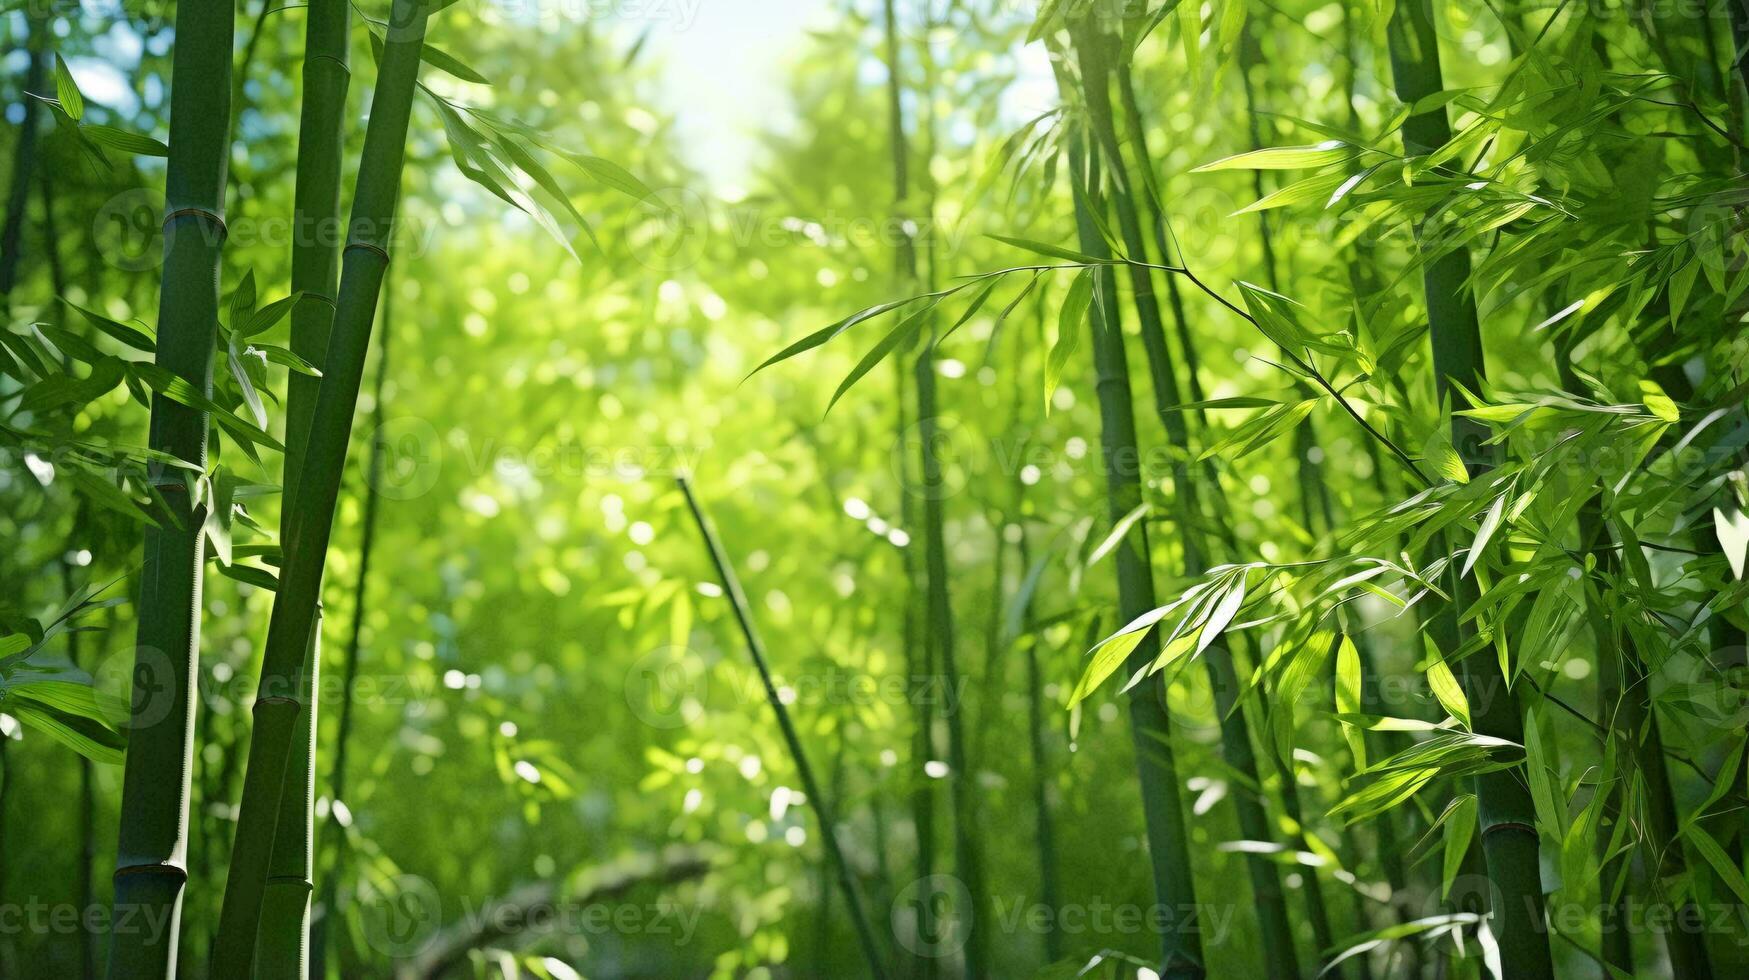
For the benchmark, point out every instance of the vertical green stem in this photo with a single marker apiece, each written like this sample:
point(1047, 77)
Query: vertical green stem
point(1150, 721)
point(283, 942)
point(1093, 48)
point(336, 834)
point(938, 611)
point(152, 850)
point(281, 692)
point(1506, 815)
point(23, 160)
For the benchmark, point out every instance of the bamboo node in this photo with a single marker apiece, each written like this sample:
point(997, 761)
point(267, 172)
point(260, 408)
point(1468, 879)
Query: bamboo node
point(210, 216)
point(345, 69)
point(371, 247)
point(278, 699)
point(323, 297)
point(155, 868)
point(298, 880)
point(1508, 825)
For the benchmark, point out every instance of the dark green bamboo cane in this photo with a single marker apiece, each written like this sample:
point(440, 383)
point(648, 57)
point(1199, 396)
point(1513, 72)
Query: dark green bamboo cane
point(23, 160)
point(151, 854)
point(1507, 817)
point(1094, 50)
point(281, 693)
point(1150, 722)
point(816, 799)
point(937, 623)
point(336, 833)
point(283, 942)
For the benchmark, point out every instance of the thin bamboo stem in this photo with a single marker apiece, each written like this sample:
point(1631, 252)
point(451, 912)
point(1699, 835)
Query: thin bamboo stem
point(816, 798)
point(937, 625)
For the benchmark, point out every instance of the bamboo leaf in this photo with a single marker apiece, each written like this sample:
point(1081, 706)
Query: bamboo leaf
point(1282, 158)
point(1048, 250)
point(1722, 865)
point(1460, 826)
point(1069, 322)
point(124, 141)
point(67, 91)
point(1485, 533)
point(1118, 533)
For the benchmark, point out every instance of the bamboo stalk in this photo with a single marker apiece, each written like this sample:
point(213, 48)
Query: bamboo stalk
point(1280, 959)
point(152, 849)
point(281, 692)
point(336, 833)
point(1150, 721)
point(23, 161)
point(816, 799)
point(283, 942)
point(937, 626)
point(1506, 815)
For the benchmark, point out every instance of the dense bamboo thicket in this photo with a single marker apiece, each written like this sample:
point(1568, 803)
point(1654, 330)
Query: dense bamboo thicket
point(892, 488)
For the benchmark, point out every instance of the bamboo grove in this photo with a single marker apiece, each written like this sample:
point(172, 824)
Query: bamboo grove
point(894, 488)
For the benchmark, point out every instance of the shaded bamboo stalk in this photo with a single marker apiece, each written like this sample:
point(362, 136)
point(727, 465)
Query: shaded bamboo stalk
point(283, 942)
point(23, 159)
point(816, 798)
point(937, 625)
point(282, 692)
point(1506, 816)
point(1094, 49)
point(336, 831)
point(1150, 721)
point(152, 849)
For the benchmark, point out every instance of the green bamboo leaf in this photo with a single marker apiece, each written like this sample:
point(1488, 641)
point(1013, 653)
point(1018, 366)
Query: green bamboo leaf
point(266, 318)
point(284, 357)
point(1282, 158)
point(1550, 805)
point(67, 91)
point(1323, 187)
point(1223, 613)
point(1490, 524)
point(1349, 698)
point(1721, 862)
point(91, 739)
point(1048, 250)
point(1444, 685)
point(449, 63)
point(900, 335)
point(971, 310)
point(124, 141)
point(1118, 532)
point(1460, 826)
point(1107, 657)
point(243, 299)
point(120, 331)
point(611, 174)
point(1069, 323)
